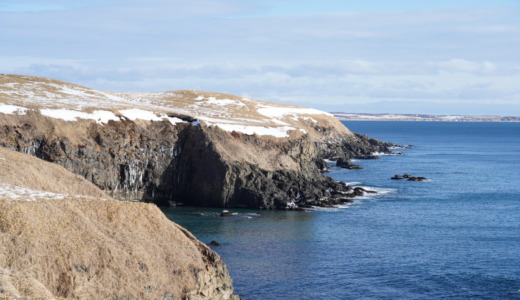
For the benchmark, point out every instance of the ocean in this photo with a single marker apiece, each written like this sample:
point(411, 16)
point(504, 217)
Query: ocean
point(456, 236)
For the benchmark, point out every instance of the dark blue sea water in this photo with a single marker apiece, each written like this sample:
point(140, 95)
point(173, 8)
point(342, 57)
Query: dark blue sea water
point(454, 237)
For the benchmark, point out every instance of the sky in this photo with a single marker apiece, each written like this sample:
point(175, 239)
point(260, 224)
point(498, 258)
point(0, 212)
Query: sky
point(372, 56)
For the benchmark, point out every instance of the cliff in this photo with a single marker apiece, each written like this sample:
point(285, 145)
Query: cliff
point(189, 147)
point(63, 238)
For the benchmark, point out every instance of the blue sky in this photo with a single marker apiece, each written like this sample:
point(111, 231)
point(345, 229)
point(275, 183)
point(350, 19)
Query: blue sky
point(440, 57)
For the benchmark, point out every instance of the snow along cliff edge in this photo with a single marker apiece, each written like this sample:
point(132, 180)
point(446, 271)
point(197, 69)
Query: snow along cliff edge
point(190, 147)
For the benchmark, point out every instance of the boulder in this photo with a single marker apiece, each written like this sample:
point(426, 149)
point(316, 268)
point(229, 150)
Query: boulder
point(214, 243)
point(408, 177)
point(347, 164)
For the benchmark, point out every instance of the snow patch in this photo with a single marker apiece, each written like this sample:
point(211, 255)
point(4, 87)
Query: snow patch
point(279, 132)
point(12, 109)
point(223, 102)
point(173, 120)
point(24, 194)
point(101, 116)
point(279, 112)
point(279, 122)
point(136, 113)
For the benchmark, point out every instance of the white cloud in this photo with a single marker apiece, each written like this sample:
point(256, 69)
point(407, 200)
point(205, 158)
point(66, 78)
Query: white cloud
point(328, 59)
point(462, 65)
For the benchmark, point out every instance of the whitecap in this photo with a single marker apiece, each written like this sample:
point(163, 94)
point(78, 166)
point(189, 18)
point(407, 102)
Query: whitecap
point(383, 153)
point(379, 191)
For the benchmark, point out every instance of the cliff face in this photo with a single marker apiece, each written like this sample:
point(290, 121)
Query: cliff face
point(63, 238)
point(183, 146)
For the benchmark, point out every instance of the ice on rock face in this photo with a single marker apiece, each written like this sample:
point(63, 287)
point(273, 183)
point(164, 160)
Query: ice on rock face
point(32, 149)
point(291, 205)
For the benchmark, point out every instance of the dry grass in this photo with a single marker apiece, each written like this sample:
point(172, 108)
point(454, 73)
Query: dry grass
point(93, 249)
point(88, 248)
point(36, 125)
point(37, 92)
point(26, 171)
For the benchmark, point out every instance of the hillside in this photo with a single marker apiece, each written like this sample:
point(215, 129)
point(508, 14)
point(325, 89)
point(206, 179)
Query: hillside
point(69, 102)
point(63, 238)
point(190, 147)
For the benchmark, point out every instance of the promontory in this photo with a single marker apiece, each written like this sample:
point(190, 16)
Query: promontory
point(182, 147)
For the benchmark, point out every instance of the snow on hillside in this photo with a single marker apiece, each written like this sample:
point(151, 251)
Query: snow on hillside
point(12, 192)
point(70, 102)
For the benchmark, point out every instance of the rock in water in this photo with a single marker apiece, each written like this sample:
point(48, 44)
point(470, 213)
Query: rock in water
point(62, 238)
point(347, 164)
point(408, 177)
point(226, 213)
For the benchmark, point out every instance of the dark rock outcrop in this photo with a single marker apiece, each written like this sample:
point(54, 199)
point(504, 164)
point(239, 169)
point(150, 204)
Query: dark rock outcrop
point(408, 177)
point(161, 163)
point(347, 164)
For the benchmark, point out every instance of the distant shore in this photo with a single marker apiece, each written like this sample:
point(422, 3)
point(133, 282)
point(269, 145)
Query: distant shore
point(421, 117)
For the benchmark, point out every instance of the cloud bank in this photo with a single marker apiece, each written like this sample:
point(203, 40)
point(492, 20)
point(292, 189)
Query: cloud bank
point(425, 61)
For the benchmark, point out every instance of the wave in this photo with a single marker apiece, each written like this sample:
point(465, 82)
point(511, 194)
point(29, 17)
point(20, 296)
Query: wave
point(379, 192)
point(333, 208)
point(358, 200)
point(383, 153)
point(353, 183)
point(229, 214)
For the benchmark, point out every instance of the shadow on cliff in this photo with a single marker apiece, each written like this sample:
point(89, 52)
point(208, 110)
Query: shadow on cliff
point(194, 176)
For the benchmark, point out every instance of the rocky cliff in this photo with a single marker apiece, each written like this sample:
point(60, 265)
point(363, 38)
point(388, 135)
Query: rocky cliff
point(188, 147)
point(63, 238)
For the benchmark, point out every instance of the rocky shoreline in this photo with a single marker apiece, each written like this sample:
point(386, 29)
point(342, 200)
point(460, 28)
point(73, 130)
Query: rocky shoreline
point(165, 164)
point(191, 160)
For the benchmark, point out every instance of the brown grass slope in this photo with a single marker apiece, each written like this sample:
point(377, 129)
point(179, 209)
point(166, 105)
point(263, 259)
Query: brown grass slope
point(84, 247)
point(40, 93)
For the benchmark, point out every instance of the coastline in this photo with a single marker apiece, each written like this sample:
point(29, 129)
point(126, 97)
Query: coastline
point(388, 244)
point(342, 116)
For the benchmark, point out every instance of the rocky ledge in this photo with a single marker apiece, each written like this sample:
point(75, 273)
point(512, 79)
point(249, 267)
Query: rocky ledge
point(63, 238)
point(189, 147)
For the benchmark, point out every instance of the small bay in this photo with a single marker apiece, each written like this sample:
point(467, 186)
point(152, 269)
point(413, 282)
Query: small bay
point(455, 236)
